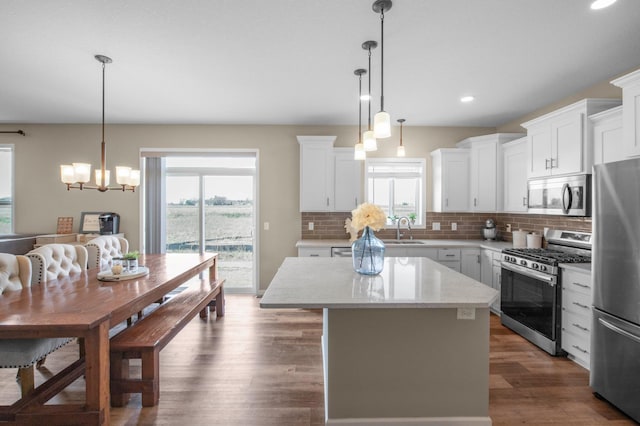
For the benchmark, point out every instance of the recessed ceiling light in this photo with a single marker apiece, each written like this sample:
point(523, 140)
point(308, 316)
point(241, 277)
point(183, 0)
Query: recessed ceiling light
point(466, 99)
point(601, 4)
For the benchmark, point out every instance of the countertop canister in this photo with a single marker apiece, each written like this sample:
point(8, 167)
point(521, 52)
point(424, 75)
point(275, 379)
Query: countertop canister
point(519, 238)
point(534, 240)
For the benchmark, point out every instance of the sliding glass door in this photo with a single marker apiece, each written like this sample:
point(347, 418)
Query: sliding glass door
point(209, 205)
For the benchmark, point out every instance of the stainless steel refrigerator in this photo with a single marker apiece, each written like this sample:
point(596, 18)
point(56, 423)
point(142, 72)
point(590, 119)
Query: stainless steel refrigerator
point(615, 339)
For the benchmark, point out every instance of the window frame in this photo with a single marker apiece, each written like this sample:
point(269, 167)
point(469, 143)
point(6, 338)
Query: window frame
point(421, 192)
point(12, 183)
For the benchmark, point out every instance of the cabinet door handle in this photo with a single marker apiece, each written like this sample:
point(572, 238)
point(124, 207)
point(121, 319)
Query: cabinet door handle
point(584, 351)
point(475, 202)
point(581, 305)
point(581, 285)
point(446, 202)
point(546, 164)
point(327, 201)
point(478, 258)
point(524, 201)
point(314, 255)
point(578, 326)
point(449, 255)
point(356, 201)
point(552, 166)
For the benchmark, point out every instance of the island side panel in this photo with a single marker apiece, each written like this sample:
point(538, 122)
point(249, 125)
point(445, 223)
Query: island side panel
point(399, 363)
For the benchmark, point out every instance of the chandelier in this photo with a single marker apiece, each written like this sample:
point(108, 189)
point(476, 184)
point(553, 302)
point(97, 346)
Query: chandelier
point(78, 175)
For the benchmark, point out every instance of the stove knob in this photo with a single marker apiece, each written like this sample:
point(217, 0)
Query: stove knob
point(534, 266)
point(523, 262)
point(543, 268)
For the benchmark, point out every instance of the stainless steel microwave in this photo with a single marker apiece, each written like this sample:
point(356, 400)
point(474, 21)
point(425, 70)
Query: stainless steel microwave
point(566, 196)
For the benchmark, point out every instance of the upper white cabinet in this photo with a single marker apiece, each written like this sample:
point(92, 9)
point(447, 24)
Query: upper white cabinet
point(514, 166)
point(485, 177)
point(630, 85)
point(606, 128)
point(450, 179)
point(347, 182)
point(559, 143)
point(330, 179)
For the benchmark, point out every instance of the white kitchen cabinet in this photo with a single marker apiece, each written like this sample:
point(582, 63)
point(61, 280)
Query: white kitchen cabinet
point(330, 179)
point(490, 271)
point(514, 166)
point(347, 180)
point(559, 143)
point(316, 173)
point(606, 128)
point(314, 251)
point(630, 85)
point(485, 164)
point(450, 179)
point(470, 262)
point(576, 315)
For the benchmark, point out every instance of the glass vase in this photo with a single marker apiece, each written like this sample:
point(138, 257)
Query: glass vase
point(368, 253)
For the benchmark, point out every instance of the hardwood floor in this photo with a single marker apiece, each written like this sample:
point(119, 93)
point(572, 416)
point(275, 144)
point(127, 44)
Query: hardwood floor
point(264, 367)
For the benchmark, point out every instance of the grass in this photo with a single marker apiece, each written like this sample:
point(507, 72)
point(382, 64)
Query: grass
point(227, 226)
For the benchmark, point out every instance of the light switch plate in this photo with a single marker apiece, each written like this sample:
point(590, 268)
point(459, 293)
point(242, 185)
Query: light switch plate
point(454, 226)
point(435, 226)
point(266, 226)
point(310, 226)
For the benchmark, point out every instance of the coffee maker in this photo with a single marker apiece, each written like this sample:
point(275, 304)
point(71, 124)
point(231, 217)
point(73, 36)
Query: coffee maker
point(109, 223)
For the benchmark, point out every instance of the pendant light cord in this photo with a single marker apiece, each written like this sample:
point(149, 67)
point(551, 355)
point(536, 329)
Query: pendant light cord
point(369, 122)
point(381, 59)
point(103, 146)
point(359, 108)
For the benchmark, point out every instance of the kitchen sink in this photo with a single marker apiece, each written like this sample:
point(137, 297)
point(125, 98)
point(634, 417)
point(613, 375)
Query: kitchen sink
point(404, 242)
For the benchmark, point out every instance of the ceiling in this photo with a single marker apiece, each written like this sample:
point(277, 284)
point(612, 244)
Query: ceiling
point(292, 61)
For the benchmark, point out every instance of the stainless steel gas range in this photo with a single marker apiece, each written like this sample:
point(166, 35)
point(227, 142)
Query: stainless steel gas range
point(530, 286)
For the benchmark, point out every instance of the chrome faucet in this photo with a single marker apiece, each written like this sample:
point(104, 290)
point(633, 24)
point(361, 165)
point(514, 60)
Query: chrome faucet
point(400, 219)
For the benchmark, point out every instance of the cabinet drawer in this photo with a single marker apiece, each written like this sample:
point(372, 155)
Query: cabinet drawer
point(577, 281)
point(579, 325)
point(314, 252)
point(451, 264)
point(578, 348)
point(573, 301)
point(448, 254)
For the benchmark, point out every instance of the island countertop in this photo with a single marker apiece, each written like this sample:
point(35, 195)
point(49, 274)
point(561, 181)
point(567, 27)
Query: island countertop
point(405, 282)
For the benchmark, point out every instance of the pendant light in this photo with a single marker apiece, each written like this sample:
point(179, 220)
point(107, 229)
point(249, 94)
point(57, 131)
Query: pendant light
point(80, 173)
point(401, 152)
point(382, 120)
point(360, 153)
point(368, 138)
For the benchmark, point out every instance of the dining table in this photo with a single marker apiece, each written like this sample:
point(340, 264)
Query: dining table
point(86, 307)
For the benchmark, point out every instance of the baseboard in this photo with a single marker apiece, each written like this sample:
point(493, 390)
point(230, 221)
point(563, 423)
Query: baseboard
point(413, 421)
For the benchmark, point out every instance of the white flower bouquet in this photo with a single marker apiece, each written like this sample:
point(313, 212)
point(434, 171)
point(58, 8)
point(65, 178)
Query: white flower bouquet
point(367, 214)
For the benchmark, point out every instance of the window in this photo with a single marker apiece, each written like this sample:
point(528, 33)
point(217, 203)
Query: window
point(6, 189)
point(397, 186)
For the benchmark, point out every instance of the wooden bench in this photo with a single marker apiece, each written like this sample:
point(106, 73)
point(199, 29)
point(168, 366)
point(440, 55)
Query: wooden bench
point(144, 340)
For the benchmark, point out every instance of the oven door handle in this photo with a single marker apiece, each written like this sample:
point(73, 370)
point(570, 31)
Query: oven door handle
point(549, 279)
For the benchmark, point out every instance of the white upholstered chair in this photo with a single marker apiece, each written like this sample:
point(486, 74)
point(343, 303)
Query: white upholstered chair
point(23, 354)
point(102, 249)
point(53, 261)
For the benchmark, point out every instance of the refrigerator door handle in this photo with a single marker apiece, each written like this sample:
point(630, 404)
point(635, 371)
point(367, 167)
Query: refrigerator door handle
point(567, 196)
point(619, 330)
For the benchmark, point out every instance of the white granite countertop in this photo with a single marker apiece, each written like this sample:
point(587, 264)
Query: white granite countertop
point(491, 245)
point(330, 282)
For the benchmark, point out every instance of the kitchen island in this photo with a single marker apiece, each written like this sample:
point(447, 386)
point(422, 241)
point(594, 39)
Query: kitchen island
point(407, 347)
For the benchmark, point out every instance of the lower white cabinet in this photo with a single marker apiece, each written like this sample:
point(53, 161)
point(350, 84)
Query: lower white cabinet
point(470, 263)
point(576, 315)
point(490, 273)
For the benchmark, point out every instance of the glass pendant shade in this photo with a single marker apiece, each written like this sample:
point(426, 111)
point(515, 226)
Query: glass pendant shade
point(66, 174)
point(382, 125)
point(359, 153)
point(81, 172)
point(369, 141)
point(134, 178)
point(122, 175)
point(401, 152)
point(107, 175)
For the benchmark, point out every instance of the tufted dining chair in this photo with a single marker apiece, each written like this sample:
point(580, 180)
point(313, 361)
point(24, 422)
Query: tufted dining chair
point(23, 354)
point(53, 261)
point(102, 249)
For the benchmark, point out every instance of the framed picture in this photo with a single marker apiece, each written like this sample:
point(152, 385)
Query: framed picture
point(89, 223)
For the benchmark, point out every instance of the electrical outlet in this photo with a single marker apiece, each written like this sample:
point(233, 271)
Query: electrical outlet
point(466, 313)
point(310, 226)
point(454, 226)
point(435, 226)
point(508, 227)
point(266, 226)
